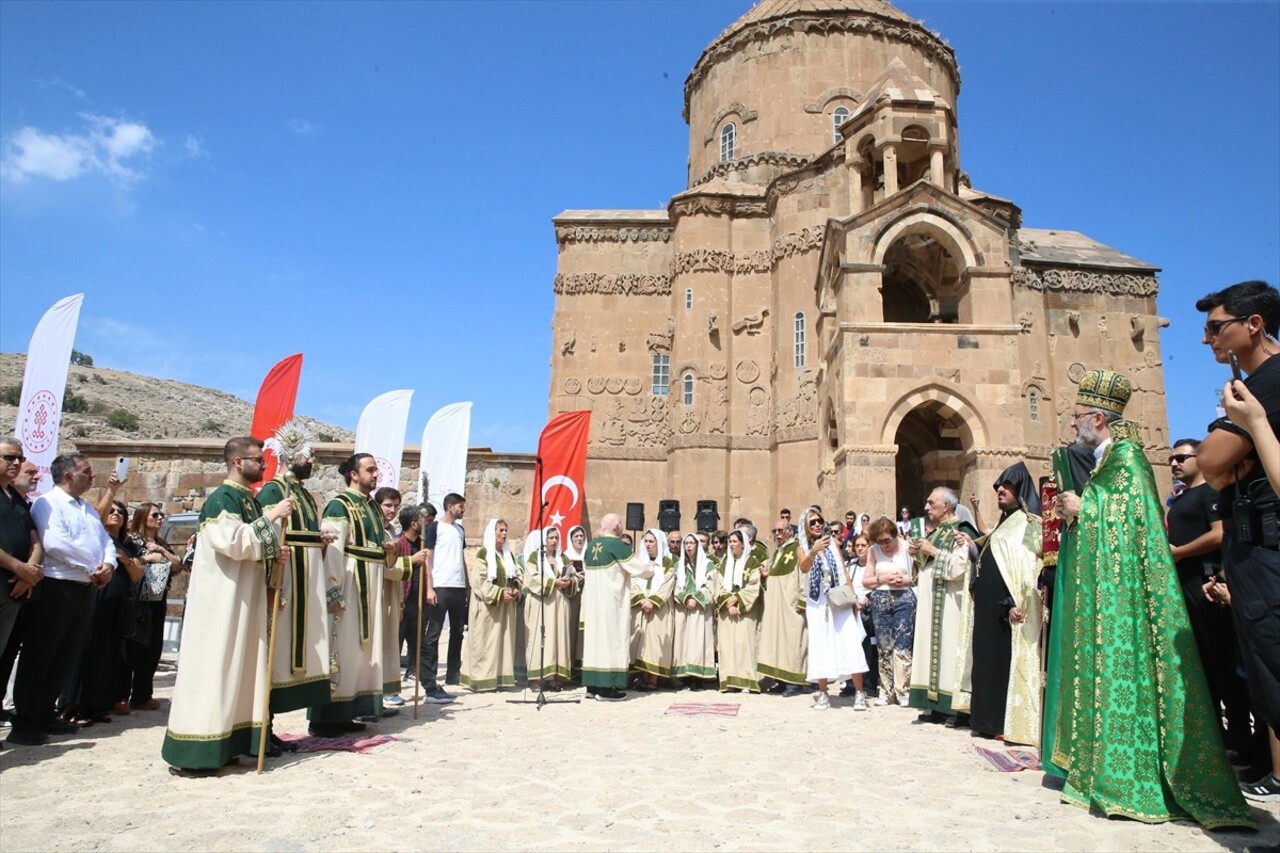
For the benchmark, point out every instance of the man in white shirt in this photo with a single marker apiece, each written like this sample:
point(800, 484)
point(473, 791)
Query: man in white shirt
point(446, 596)
point(78, 555)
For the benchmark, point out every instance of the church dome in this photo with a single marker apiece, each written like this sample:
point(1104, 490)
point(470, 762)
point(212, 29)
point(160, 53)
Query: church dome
point(782, 76)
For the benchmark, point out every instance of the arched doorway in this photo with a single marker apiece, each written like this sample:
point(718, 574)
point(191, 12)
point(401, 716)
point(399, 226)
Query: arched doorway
point(931, 448)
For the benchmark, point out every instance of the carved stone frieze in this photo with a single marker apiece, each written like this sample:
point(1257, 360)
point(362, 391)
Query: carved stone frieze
point(719, 370)
point(572, 386)
point(718, 205)
point(614, 234)
point(747, 371)
point(566, 348)
point(596, 384)
point(661, 341)
point(715, 407)
point(626, 284)
point(752, 325)
point(783, 159)
point(762, 261)
point(633, 385)
point(912, 34)
point(596, 451)
point(798, 433)
point(800, 411)
point(724, 112)
point(1085, 281)
point(758, 412)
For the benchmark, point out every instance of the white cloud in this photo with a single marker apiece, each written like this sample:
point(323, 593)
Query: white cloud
point(58, 83)
point(302, 127)
point(194, 147)
point(108, 146)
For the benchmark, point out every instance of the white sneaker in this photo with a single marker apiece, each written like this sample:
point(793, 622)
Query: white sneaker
point(395, 700)
point(904, 701)
point(879, 701)
point(821, 702)
point(859, 701)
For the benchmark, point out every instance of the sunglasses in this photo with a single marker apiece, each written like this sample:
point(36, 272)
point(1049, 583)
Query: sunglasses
point(816, 522)
point(1181, 457)
point(888, 540)
point(13, 457)
point(1213, 328)
point(157, 515)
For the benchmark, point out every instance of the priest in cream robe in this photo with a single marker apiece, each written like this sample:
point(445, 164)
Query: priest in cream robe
point(489, 657)
point(610, 566)
point(300, 666)
point(1003, 614)
point(552, 587)
point(693, 610)
point(784, 639)
point(738, 617)
point(217, 710)
point(388, 501)
point(355, 564)
point(943, 584)
point(651, 609)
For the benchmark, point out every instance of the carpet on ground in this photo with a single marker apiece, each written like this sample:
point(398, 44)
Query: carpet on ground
point(346, 743)
point(1012, 759)
point(696, 709)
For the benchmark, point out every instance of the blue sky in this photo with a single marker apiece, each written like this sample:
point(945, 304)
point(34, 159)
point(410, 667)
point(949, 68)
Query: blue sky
point(372, 184)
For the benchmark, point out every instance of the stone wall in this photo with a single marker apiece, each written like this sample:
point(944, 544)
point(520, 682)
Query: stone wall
point(180, 473)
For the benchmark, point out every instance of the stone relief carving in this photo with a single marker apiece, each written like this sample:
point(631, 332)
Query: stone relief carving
point(633, 385)
point(1027, 321)
point(626, 284)
point(719, 370)
point(715, 412)
point(1102, 326)
point(719, 205)
point(751, 325)
point(1137, 328)
point(802, 409)
point(614, 234)
point(593, 343)
point(747, 371)
point(783, 159)
point(566, 348)
point(613, 384)
point(596, 384)
point(661, 341)
point(1118, 284)
point(724, 112)
point(689, 424)
point(572, 386)
point(622, 345)
point(1074, 371)
point(713, 324)
point(757, 411)
point(826, 97)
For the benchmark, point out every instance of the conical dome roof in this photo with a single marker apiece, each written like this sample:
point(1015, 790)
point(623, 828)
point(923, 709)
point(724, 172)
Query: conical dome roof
point(767, 10)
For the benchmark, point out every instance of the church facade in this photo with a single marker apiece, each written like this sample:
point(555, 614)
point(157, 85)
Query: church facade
point(830, 311)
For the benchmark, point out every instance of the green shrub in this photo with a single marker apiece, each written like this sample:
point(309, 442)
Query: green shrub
point(11, 395)
point(74, 403)
point(123, 420)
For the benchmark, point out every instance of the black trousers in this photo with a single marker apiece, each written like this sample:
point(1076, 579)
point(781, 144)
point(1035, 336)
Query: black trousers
point(451, 602)
point(137, 681)
point(57, 625)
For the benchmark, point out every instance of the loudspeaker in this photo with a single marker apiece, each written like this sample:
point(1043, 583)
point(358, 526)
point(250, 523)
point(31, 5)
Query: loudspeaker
point(668, 515)
point(708, 518)
point(635, 516)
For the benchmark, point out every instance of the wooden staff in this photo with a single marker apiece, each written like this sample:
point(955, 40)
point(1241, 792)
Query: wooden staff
point(417, 637)
point(275, 580)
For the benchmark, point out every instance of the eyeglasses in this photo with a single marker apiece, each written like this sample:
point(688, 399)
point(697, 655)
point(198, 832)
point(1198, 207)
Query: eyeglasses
point(1075, 416)
point(13, 457)
point(1181, 457)
point(779, 530)
point(1213, 328)
point(888, 540)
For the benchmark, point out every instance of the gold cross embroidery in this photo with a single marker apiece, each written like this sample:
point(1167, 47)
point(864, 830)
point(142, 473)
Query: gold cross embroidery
point(596, 549)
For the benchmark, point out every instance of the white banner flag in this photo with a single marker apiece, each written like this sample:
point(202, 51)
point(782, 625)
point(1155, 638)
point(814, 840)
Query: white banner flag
point(444, 452)
point(40, 409)
point(380, 433)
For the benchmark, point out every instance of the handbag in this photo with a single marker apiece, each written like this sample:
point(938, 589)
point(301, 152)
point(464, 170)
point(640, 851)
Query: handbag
point(155, 579)
point(841, 596)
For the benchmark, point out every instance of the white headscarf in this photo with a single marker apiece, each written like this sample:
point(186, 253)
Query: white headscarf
point(490, 550)
point(566, 545)
point(535, 555)
point(699, 564)
point(736, 569)
point(654, 583)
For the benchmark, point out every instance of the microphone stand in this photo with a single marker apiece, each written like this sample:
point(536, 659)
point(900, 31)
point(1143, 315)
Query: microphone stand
point(541, 700)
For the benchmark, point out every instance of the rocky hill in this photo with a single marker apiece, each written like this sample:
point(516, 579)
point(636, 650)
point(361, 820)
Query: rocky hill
point(105, 404)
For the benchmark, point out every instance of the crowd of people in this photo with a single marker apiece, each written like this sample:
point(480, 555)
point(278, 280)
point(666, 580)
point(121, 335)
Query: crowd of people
point(1139, 651)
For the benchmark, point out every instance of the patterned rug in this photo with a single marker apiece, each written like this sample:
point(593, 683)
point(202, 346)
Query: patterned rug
point(346, 743)
point(697, 709)
point(1011, 759)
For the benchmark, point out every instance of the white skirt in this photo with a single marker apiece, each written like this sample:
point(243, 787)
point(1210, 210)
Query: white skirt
point(835, 641)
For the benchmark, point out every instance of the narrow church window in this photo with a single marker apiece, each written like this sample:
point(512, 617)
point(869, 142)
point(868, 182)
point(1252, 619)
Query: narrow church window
point(1033, 402)
point(728, 135)
point(839, 117)
point(687, 389)
point(661, 374)
point(799, 340)
point(688, 299)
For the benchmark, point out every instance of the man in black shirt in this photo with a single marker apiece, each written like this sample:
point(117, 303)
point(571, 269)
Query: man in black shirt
point(20, 553)
point(1244, 320)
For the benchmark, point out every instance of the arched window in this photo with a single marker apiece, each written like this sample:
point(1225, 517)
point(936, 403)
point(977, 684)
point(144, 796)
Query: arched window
point(661, 374)
point(1033, 403)
point(688, 299)
point(686, 390)
point(799, 340)
point(728, 136)
point(839, 117)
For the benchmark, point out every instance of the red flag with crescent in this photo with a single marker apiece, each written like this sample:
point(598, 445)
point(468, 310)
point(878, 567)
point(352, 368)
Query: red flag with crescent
point(274, 406)
point(563, 450)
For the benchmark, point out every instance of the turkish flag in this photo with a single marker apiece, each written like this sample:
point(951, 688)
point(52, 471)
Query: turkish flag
point(563, 450)
point(274, 406)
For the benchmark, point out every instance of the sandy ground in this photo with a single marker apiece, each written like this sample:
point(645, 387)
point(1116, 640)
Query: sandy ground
point(483, 774)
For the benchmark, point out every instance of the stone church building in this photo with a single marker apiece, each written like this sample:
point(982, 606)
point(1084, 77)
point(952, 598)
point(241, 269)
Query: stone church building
point(830, 311)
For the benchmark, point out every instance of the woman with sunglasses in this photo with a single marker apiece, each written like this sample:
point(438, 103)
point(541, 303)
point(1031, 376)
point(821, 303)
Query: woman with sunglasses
point(893, 609)
point(160, 564)
point(835, 633)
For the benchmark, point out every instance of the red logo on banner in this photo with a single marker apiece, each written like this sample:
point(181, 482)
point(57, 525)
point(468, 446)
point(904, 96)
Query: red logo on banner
point(40, 422)
point(563, 450)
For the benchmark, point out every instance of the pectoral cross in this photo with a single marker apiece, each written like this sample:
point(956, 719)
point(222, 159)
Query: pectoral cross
point(595, 550)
